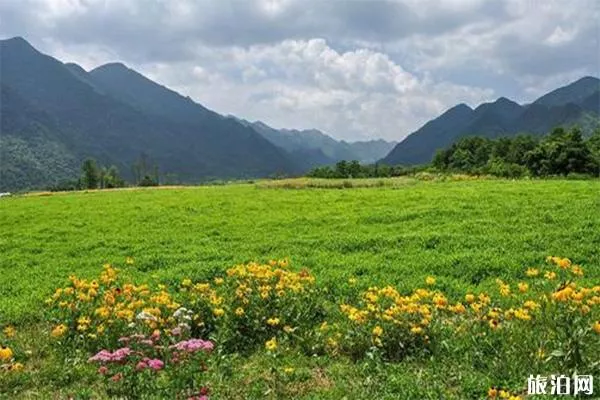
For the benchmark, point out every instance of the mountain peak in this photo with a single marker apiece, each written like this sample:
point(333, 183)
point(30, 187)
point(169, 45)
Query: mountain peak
point(18, 43)
point(112, 66)
point(575, 92)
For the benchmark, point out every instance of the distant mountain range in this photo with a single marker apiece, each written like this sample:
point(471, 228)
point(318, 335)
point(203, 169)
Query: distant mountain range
point(54, 115)
point(311, 147)
point(574, 104)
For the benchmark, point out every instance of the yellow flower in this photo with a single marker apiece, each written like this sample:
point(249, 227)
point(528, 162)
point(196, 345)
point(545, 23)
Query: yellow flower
point(10, 331)
point(352, 281)
point(5, 353)
point(186, 282)
point(596, 327)
point(239, 311)
point(530, 304)
point(577, 270)
point(377, 331)
point(522, 314)
point(469, 298)
point(273, 321)
point(288, 329)
point(218, 312)
point(523, 287)
point(417, 330)
point(492, 393)
point(271, 344)
point(59, 330)
point(288, 370)
point(430, 280)
point(531, 272)
point(129, 261)
point(16, 367)
point(550, 275)
point(219, 281)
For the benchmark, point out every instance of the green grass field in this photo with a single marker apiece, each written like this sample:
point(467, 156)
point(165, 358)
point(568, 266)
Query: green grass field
point(466, 233)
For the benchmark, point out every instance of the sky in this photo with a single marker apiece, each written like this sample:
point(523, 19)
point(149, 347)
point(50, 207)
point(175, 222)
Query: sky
point(355, 69)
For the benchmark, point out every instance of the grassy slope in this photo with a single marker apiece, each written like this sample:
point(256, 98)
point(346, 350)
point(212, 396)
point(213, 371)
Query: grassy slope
point(466, 233)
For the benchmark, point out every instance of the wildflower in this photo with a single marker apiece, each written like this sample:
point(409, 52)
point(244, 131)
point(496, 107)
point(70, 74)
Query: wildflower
point(522, 314)
point(523, 287)
point(218, 312)
point(59, 330)
point(551, 275)
point(271, 345)
point(531, 272)
point(377, 331)
point(596, 327)
point(352, 281)
point(288, 329)
point(430, 280)
point(239, 311)
point(219, 281)
point(156, 364)
point(16, 367)
point(5, 353)
point(273, 321)
point(117, 377)
point(10, 331)
point(129, 261)
point(186, 282)
point(193, 345)
point(288, 370)
point(103, 370)
point(530, 304)
point(469, 298)
point(417, 330)
point(577, 270)
point(492, 393)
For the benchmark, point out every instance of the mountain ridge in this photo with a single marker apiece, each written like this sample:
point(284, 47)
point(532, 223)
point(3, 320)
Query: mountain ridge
point(575, 103)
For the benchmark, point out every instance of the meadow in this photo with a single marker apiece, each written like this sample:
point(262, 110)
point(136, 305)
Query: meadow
point(466, 234)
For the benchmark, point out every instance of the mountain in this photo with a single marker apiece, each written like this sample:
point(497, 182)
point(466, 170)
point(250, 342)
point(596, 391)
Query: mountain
point(577, 103)
point(52, 111)
point(310, 148)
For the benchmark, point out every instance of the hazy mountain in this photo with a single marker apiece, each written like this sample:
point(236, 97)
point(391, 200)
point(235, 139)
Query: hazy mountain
point(114, 114)
point(311, 147)
point(577, 103)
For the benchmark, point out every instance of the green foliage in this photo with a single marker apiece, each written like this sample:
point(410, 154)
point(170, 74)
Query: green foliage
point(560, 153)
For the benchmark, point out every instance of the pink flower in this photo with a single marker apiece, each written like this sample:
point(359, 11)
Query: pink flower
point(194, 345)
point(121, 354)
point(141, 366)
point(106, 356)
point(102, 356)
point(176, 331)
point(117, 377)
point(156, 364)
point(103, 370)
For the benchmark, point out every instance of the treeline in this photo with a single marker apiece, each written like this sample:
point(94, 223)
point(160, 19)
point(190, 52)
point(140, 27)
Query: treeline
point(353, 169)
point(96, 176)
point(562, 152)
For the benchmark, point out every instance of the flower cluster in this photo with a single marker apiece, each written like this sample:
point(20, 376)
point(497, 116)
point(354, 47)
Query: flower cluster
point(8, 359)
point(253, 303)
point(138, 367)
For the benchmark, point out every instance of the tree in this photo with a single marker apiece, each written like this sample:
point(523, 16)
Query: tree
point(90, 176)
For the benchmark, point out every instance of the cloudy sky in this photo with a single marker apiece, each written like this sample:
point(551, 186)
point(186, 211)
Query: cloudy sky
point(355, 69)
